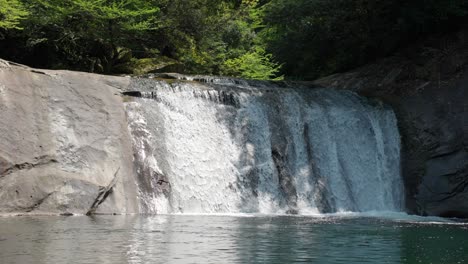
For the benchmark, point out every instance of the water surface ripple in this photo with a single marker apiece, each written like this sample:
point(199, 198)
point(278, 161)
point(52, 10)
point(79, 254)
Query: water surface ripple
point(231, 239)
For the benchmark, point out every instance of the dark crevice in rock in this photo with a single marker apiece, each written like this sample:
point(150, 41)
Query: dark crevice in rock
point(460, 188)
point(285, 180)
point(39, 72)
point(39, 161)
point(15, 64)
point(447, 153)
point(133, 94)
point(104, 192)
point(38, 203)
point(66, 214)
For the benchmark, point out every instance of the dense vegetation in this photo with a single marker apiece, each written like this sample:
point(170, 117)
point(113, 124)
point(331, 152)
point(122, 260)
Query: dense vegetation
point(319, 37)
point(260, 39)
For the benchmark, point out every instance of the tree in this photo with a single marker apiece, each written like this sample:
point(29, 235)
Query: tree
point(89, 34)
point(244, 38)
point(203, 36)
point(320, 37)
point(12, 12)
point(251, 61)
point(216, 37)
point(256, 64)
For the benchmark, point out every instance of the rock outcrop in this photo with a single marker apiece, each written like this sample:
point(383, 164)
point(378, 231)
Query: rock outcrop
point(64, 143)
point(428, 88)
point(65, 146)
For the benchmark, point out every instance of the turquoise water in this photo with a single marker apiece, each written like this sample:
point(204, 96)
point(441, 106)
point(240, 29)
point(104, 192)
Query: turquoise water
point(232, 239)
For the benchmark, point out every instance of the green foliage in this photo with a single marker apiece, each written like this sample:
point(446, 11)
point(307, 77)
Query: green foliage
point(203, 36)
point(259, 39)
point(256, 64)
point(132, 15)
point(12, 12)
point(318, 37)
point(87, 34)
point(215, 37)
point(251, 60)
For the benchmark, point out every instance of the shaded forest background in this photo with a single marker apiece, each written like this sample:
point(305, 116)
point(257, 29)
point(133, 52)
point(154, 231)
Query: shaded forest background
point(257, 39)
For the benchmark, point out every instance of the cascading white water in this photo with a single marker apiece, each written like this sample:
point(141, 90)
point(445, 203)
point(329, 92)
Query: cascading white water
point(225, 148)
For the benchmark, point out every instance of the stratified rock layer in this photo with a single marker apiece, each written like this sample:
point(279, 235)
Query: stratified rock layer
point(64, 143)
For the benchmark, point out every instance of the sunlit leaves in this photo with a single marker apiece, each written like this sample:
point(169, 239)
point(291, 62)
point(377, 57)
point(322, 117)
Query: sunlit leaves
point(12, 12)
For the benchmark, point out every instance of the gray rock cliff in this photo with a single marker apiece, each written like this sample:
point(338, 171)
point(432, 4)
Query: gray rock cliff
point(64, 143)
point(428, 88)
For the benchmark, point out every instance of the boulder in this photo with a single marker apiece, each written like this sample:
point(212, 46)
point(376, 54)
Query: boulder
point(63, 140)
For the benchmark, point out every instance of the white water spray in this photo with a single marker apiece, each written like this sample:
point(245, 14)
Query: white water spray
point(224, 148)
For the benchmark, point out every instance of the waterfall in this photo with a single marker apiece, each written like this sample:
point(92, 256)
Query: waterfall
point(258, 147)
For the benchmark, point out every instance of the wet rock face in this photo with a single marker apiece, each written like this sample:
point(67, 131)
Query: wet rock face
point(268, 150)
point(430, 98)
point(436, 123)
point(63, 143)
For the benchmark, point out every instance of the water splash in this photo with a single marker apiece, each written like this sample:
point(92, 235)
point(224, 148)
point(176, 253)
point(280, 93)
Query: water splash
point(230, 147)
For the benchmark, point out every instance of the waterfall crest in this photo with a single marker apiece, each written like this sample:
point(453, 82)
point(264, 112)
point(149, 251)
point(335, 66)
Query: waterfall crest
point(237, 147)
